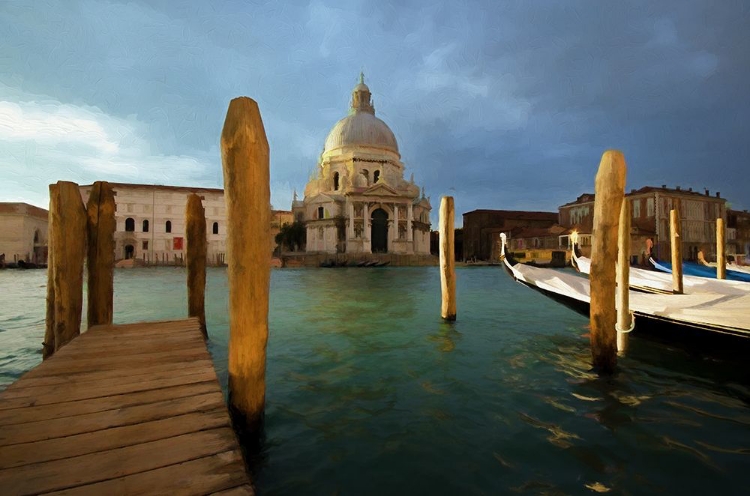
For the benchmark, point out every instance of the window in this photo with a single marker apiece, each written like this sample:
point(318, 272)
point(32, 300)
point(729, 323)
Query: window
point(335, 181)
point(650, 207)
point(375, 176)
point(130, 224)
point(168, 226)
point(145, 245)
point(145, 226)
point(636, 208)
point(216, 228)
point(321, 212)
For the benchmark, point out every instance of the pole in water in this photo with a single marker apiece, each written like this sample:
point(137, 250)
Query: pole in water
point(447, 259)
point(195, 234)
point(100, 260)
point(676, 242)
point(609, 193)
point(245, 158)
point(721, 248)
point(624, 317)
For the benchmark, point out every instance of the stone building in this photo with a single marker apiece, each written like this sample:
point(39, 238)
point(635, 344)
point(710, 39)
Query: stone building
point(482, 229)
point(738, 235)
point(23, 233)
point(151, 222)
point(358, 200)
point(650, 207)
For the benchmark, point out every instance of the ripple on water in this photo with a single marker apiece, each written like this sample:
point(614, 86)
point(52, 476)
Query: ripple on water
point(369, 392)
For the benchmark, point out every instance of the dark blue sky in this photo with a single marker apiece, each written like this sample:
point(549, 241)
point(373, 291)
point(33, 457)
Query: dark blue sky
point(501, 104)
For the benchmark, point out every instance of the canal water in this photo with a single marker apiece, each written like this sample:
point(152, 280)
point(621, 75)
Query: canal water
point(369, 392)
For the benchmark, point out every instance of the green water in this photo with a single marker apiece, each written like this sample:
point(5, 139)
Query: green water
point(369, 392)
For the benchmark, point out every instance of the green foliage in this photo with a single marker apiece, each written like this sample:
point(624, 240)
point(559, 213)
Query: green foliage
point(292, 236)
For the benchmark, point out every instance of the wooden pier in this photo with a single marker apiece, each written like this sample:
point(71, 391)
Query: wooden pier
point(122, 409)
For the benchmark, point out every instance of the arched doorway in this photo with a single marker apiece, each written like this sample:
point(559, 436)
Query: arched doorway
point(129, 252)
point(379, 231)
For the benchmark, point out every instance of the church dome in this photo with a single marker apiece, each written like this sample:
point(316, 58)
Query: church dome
point(361, 127)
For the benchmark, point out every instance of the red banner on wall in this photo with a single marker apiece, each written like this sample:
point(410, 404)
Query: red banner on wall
point(177, 243)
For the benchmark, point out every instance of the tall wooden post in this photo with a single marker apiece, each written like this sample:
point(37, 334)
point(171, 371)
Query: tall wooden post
point(721, 249)
point(100, 260)
point(447, 259)
point(623, 278)
point(676, 242)
point(68, 236)
point(245, 156)
point(609, 192)
point(48, 346)
point(195, 220)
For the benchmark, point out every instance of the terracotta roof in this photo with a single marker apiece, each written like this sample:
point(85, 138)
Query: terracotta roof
point(23, 209)
point(517, 214)
point(186, 189)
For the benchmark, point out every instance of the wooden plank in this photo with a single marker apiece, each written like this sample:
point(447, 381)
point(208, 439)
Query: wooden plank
point(60, 410)
point(118, 437)
point(98, 375)
point(64, 394)
point(201, 476)
point(90, 422)
point(105, 465)
point(95, 351)
point(243, 490)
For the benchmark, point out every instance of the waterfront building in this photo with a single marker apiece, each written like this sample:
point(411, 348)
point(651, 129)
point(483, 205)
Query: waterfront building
point(738, 235)
point(23, 233)
point(482, 229)
point(650, 207)
point(358, 200)
point(151, 222)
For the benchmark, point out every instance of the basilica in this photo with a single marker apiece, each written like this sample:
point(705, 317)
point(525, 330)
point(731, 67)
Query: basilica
point(358, 200)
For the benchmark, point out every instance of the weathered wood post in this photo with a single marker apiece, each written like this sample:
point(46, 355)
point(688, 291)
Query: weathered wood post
point(68, 236)
point(245, 156)
point(48, 346)
point(609, 192)
point(447, 259)
point(100, 259)
point(721, 248)
point(676, 242)
point(195, 220)
point(624, 318)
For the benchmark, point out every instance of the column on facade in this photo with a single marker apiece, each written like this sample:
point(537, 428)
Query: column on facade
point(395, 222)
point(350, 213)
point(409, 214)
point(366, 243)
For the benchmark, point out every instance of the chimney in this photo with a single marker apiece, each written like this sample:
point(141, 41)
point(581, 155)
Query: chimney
point(690, 189)
point(677, 188)
point(663, 186)
point(632, 191)
point(718, 194)
point(707, 192)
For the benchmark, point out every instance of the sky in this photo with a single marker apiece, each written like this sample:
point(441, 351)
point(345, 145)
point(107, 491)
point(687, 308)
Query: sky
point(502, 105)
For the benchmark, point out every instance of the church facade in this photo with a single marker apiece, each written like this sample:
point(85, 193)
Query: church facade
point(358, 200)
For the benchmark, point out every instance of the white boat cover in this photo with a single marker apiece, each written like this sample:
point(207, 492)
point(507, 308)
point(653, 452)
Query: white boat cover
point(662, 282)
point(722, 311)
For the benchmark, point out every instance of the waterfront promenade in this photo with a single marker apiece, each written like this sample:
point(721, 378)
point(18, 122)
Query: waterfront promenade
point(122, 409)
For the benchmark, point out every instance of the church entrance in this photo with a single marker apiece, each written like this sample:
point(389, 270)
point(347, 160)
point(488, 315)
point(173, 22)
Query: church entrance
point(380, 231)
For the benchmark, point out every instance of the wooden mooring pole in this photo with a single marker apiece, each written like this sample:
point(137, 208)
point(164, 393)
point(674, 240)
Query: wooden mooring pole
point(245, 158)
point(100, 260)
point(676, 244)
point(68, 238)
point(48, 346)
point(721, 248)
point(447, 259)
point(624, 318)
point(609, 192)
point(195, 220)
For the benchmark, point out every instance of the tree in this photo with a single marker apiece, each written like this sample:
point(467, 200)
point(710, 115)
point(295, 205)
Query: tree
point(292, 236)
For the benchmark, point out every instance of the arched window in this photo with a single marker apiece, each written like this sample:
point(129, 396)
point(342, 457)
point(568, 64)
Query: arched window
point(168, 226)
point(375, 176)
point(216, 228)
point(145, 226)
point(130, 224)
point(335, 181)
point(320, 212)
